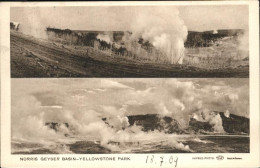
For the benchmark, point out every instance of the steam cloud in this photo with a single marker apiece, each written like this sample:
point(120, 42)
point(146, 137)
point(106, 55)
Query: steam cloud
point(213, 119)
point(104, 37)
point(163, 28)
point(244, 44)
point(32, 25)
point(84, 103)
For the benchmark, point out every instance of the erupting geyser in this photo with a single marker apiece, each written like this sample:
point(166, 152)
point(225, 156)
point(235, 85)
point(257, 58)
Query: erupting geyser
point(163, 28)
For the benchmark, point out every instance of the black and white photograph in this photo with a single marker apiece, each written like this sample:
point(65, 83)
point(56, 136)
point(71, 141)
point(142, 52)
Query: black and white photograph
point(131, 115)
point(130, 84)
point(130, 41)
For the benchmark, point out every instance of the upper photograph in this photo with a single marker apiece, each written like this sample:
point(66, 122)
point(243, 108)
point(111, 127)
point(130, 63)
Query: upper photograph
point(194, 41)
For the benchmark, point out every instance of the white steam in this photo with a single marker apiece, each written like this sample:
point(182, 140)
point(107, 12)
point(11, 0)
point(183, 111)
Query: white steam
point(163, 28)
point(227, 114)
point(159, 25)
point(243, 47)
point(214, 119)
point(104, 37)
point(29, 120)
point(97, 109)
point(31, 24)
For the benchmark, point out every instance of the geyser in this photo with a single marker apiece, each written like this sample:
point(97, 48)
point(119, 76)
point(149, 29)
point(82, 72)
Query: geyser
point(163, 28)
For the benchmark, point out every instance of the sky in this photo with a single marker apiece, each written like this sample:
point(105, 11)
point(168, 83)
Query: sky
point(197, 18)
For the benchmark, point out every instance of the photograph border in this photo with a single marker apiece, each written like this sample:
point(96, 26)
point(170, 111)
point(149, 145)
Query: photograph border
point(136, 160)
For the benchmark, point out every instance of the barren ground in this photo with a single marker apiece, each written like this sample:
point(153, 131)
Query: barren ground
point(31, 57)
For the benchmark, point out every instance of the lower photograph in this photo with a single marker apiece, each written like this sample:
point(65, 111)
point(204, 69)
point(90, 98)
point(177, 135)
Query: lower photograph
point(96, 116)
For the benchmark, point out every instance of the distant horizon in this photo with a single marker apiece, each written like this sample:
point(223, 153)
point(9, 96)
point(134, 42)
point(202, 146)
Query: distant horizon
point(130, 31)
point(195, 18)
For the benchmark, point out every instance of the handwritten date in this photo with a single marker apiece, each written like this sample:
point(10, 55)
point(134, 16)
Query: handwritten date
point(151, 159)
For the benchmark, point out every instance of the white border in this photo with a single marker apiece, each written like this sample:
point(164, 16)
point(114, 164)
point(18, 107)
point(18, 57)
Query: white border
point(137, 160)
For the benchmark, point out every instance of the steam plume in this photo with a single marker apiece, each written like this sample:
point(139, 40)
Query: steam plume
point(163, 28)
point(244, 44)
point(104, 37)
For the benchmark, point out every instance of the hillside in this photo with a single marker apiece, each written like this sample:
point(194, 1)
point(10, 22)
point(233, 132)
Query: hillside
point(235, 124)
point(151, 122)
point(32, 57)
point(69, 53)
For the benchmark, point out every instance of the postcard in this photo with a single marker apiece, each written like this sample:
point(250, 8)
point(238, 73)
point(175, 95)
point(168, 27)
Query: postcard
point(133, 84)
